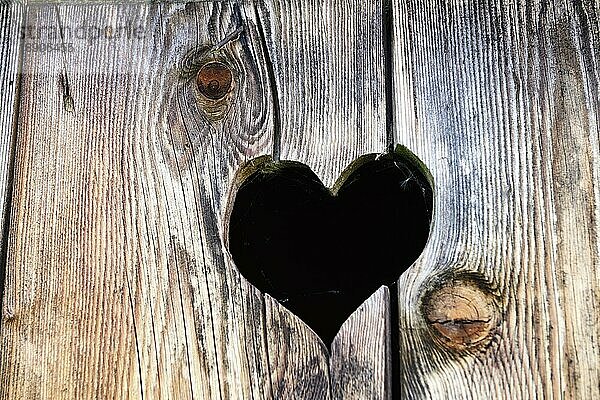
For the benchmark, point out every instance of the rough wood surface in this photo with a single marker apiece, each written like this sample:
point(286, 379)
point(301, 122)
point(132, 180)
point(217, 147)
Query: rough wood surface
point(298, 360)
point(361, 360)
point(119, 283)
point(500, 99)
point(328, 62)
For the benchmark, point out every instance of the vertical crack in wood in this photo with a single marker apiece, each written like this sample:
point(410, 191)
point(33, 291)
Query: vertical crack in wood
point(273, 86)
point(393, 374)
point(68, 102)
point(11, 165)
point(135, 335)
point(130, 296)
point(263, 305)
point(388, 54)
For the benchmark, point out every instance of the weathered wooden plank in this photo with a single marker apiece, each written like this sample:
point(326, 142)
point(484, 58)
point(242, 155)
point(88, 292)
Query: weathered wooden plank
point(500, 100)
point(120, 284)
point(328, 61)
point(354, 374)
point(328, 64)
point(11, 19)
point(72, 282)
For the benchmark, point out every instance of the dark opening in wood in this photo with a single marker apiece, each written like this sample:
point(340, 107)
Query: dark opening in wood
point(322, 252)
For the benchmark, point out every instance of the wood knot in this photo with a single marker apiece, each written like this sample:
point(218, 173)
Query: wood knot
point(9, 315)
point(462, 314)
point(214, 80)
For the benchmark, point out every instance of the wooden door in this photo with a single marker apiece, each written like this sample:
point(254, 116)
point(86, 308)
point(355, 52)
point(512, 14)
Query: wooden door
point(117, 174)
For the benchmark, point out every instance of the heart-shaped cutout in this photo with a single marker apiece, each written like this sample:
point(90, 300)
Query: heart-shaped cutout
point(320, 252)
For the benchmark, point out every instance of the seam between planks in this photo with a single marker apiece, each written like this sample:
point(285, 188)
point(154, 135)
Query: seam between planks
point(6, 212)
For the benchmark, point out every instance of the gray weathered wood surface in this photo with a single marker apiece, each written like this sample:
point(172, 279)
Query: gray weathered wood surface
point(119, 283)
point(360, 364)
point(500, 100)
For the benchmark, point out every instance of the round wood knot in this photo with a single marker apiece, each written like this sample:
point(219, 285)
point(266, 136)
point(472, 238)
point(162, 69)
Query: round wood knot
point(214, 80)
point(461, 314)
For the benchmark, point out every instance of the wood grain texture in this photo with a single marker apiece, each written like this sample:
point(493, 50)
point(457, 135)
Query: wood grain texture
point(11, 19)
point(298, 360)
point(328, 62)
point(119, 281)
point(500, 99)
point(355, 372)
